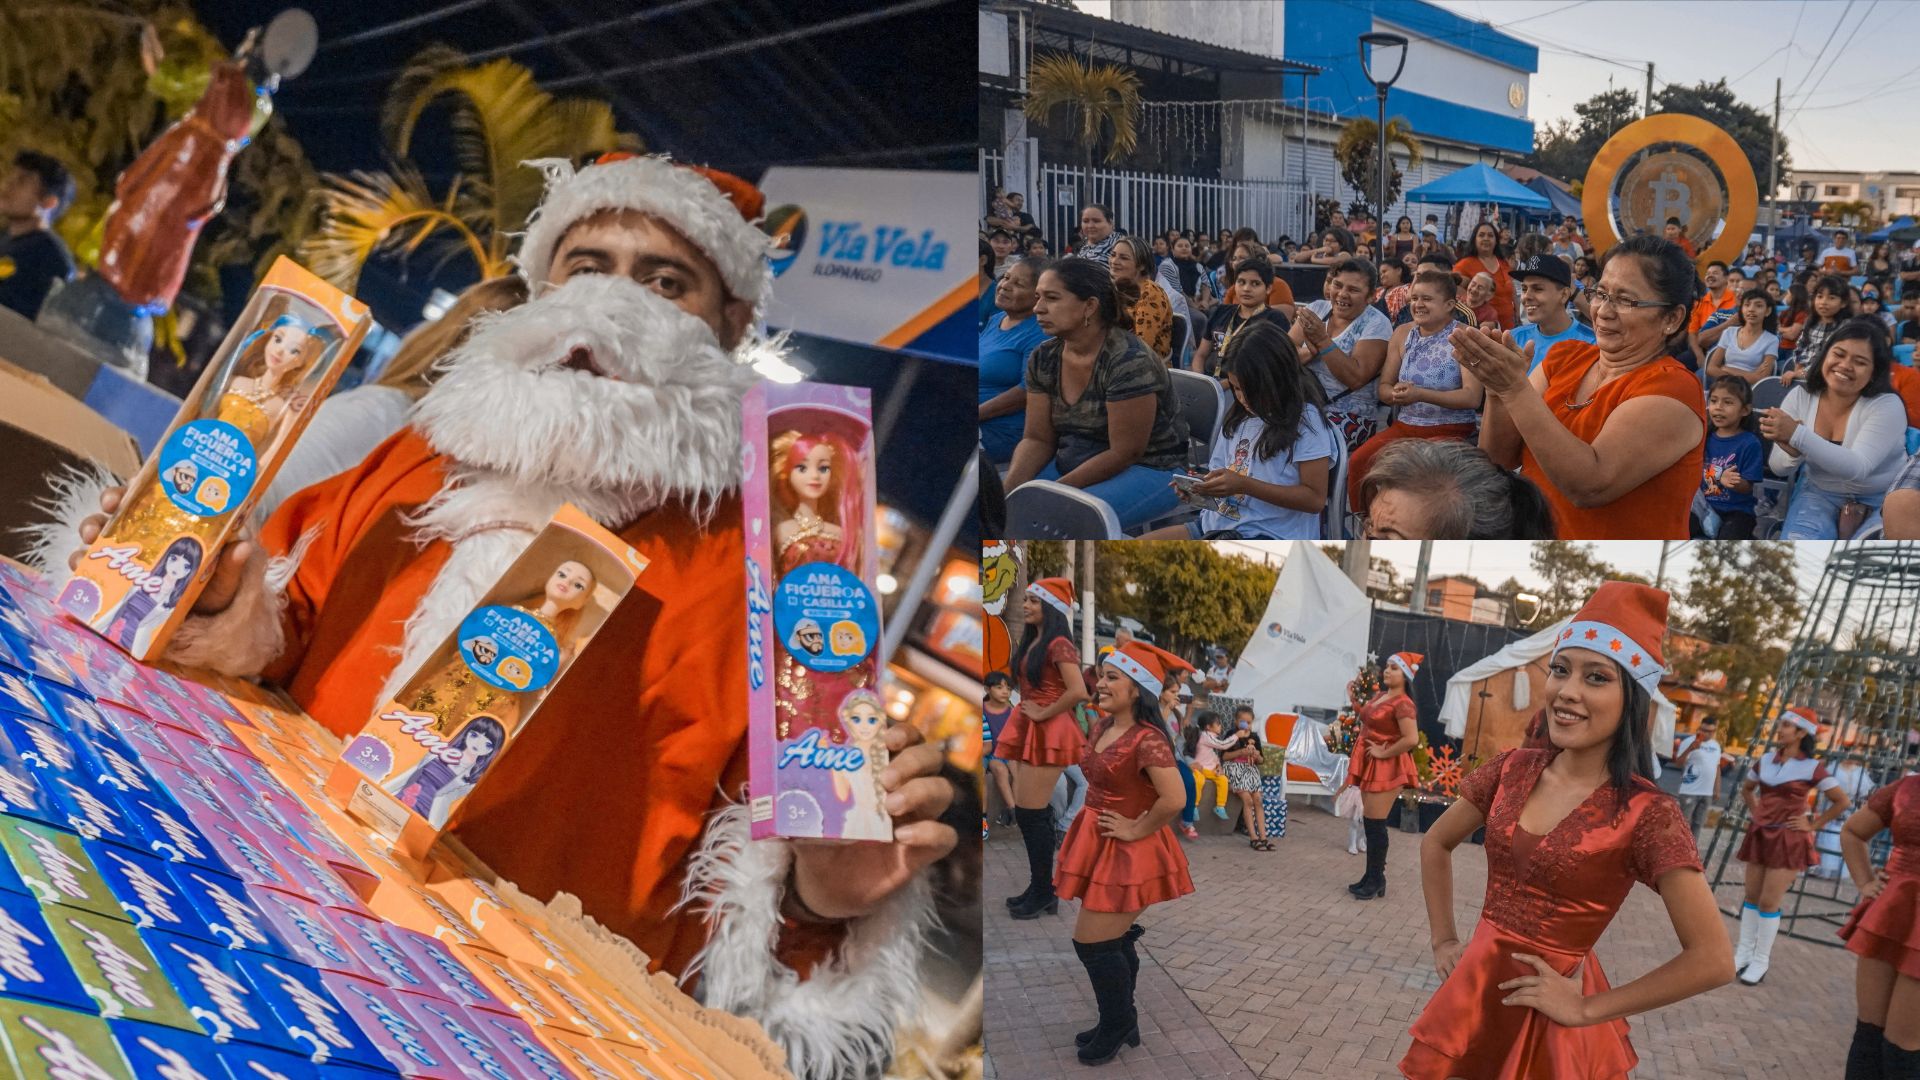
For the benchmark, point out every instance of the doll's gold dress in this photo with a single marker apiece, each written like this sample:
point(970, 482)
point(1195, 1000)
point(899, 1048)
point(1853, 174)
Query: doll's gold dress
point(457, 694)
point(153, 521)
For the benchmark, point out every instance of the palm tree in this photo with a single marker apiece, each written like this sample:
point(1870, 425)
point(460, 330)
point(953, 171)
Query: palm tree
point(501, 119)
point(1859, 213)
point(1102, 103)
point(1355, 149)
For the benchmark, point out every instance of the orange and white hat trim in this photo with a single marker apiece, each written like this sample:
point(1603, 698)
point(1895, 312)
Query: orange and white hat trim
point(1056, 592)
point(1408, 663)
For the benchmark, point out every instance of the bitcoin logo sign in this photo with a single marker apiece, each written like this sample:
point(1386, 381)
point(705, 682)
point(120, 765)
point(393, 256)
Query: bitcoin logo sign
point(1672, 184)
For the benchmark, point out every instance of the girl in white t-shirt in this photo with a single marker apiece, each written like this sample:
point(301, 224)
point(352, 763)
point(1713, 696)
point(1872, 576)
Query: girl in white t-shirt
point(1751, 348)
point(1273, 461)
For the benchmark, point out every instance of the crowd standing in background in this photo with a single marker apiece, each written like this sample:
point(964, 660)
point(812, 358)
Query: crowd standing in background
point(1568, 393)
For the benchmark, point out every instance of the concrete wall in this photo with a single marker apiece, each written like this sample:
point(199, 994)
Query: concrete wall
point(1249, 27)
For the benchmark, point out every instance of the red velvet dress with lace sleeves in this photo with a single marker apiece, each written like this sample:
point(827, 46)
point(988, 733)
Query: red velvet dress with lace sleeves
point(1887, 927)
point(1055, 742)
point(1380, 726)
point(1551, 896)
point(1121, 875)
point(1782, 795)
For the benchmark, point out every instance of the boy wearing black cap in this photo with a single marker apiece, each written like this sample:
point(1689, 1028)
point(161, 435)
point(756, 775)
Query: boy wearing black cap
point(31, 256)
point(1546, 285)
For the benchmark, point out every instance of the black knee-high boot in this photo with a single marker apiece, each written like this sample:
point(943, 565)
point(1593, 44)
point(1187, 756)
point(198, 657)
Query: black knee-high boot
point(1374, 884)
point(1898, 1064)
point(1112, 981)
point(1133, 934)
point(1021, 820)
point(1865, 1056)
point(1036, 828)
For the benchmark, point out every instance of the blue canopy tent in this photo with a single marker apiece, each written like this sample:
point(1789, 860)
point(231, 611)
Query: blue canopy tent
point(1889, 231)
point(1562, 203)
point(1480, 184)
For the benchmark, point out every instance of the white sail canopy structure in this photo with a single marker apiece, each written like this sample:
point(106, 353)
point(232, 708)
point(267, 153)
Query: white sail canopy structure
point(1310, 641)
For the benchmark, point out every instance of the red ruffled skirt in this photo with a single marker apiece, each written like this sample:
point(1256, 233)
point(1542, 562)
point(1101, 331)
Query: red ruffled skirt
point(1466, 1033)
point(1055, 742)
point(1380, 774)
point(1778, 847)
point(1887, 927)
point(1118, 875)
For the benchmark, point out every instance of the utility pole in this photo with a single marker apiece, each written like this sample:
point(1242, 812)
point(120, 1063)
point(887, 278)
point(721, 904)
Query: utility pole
point(1417, 603)
point(1354, 562)
point(1086, 611)
point(1773, 169)
point(1660, 575)
point(1649, 111)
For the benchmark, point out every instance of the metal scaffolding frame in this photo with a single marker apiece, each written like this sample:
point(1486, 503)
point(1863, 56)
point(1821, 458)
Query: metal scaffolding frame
point(1856, 662)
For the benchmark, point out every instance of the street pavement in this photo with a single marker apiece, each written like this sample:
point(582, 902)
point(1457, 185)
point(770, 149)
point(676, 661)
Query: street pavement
point(1271, 970)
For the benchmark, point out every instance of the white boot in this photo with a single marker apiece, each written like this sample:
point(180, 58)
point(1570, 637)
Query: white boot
point(1762, 948)
point(1356, 840)
point(1749, 931)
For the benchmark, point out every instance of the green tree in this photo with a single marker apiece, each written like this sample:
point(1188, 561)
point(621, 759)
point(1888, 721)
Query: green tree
point(1743, 599)
point(1600, 116)
point(1751, 127)
point(1357, 151)
point(1187, 592)
point(1556, 150)
point(1571, 572)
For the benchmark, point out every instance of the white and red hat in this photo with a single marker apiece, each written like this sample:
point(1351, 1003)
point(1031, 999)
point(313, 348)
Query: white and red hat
point(1408, 663)
point(1626, 622)
point(1803, 718)
point(1055, 592)
point(1148, 665)
point(715, 211)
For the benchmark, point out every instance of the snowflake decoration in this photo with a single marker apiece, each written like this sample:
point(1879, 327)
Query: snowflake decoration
point(1446, 771)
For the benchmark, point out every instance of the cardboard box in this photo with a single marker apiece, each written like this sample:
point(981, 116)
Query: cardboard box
point(45, 431)
point(814, 714)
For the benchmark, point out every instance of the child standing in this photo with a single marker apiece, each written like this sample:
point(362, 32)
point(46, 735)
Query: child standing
point(993, 714)
point(1204, 743)
point(1734, 460)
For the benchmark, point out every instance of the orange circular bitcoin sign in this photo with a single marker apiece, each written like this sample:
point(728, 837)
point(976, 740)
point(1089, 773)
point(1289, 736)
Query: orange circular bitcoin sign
point(1672, 184)
point(999, 646)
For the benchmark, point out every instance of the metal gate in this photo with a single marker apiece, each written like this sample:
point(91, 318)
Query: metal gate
point(1147, 204)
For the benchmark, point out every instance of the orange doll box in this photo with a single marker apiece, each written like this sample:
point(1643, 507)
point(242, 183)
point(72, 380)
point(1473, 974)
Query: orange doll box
point(815, 718)
point(406, 904)
point(429, 746)
point(509, 983)
point(139, 578)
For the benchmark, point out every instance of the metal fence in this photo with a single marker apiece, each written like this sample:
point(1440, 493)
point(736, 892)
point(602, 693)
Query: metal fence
point(1146, 204)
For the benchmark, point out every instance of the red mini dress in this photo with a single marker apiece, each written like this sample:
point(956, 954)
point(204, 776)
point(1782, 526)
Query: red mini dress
point(1887, 927)
point(1112, 875)
point(1551, 896)
point(1380, 726)
point(1784, 787)
point(1055, 742)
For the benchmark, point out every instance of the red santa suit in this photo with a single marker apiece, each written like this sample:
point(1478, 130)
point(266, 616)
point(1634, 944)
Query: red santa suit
point(1887, 927)
point(627, 790)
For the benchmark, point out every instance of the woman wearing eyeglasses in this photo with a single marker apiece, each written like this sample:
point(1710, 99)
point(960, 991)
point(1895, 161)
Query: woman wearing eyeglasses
point(1613, 432)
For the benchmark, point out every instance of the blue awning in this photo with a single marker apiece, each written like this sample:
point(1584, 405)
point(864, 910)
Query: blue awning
point(1478, 184)
point(1887, 231)
point(1560, 202)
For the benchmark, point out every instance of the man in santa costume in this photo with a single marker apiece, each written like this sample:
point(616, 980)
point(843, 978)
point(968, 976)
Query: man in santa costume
point(617, 388)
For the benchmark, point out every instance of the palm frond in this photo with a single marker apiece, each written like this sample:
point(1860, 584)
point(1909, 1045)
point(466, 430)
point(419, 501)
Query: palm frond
point(1103, 99)
point(365, 213)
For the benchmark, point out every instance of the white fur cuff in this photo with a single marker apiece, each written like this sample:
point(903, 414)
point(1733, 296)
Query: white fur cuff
point(249, 634)
point(838, 1023)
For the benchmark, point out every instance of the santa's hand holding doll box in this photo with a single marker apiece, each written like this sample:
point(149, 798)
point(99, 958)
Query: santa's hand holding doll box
point(562, 527)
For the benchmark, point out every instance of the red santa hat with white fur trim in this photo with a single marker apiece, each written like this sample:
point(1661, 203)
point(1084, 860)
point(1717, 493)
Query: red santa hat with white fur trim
point(1624, 621)
point(1803, 718)
point(715, 211)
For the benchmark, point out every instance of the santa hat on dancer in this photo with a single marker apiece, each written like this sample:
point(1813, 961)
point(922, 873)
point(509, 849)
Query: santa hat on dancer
point(1626, 622)
point(1803, 718)
point(1408, 663)
point(1055, 592)
point(715, 211)
point(1148, 665)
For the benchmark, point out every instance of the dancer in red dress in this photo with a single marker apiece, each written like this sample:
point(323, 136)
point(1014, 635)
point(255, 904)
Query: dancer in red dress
point(1382, 763)
point(1041, 737)
point(1779, 841)
point(1570, 828)
point(1884, 930)
point(1120, 854)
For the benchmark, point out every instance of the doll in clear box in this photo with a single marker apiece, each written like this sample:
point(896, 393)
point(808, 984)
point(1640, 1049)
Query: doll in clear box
point(819, 516)
point(863, 719)
point(264, 391)
point(456, 692)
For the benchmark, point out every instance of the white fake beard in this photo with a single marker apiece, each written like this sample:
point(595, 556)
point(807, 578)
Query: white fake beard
point(527, 433)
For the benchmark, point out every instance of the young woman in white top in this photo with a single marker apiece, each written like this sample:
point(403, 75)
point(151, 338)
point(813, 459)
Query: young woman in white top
point(1342, 341)
point(1849, 428)
point(1749, 348)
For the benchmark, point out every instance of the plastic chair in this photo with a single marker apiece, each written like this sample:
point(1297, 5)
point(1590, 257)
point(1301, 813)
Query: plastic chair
point(1050, 510)
point(1203, 402)
point(1177, 354)
point(1903, 354)
point(1769, 392)
point(1333, 522)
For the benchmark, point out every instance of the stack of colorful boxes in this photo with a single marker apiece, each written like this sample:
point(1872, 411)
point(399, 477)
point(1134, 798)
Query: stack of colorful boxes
point(177, 899)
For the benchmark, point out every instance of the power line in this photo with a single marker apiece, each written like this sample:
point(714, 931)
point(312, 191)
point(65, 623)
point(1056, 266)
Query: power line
point(407, 23)
point(751, 44)
point(1838, 54)
point(1823, 47)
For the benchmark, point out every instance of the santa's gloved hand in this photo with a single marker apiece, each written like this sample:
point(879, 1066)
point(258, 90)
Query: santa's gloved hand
point(846, 881)
point(228, 573)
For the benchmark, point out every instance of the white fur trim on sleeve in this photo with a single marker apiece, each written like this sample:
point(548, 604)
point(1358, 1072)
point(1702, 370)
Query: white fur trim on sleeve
point(75, 497)
point(840, 1022)
point(249, 635)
